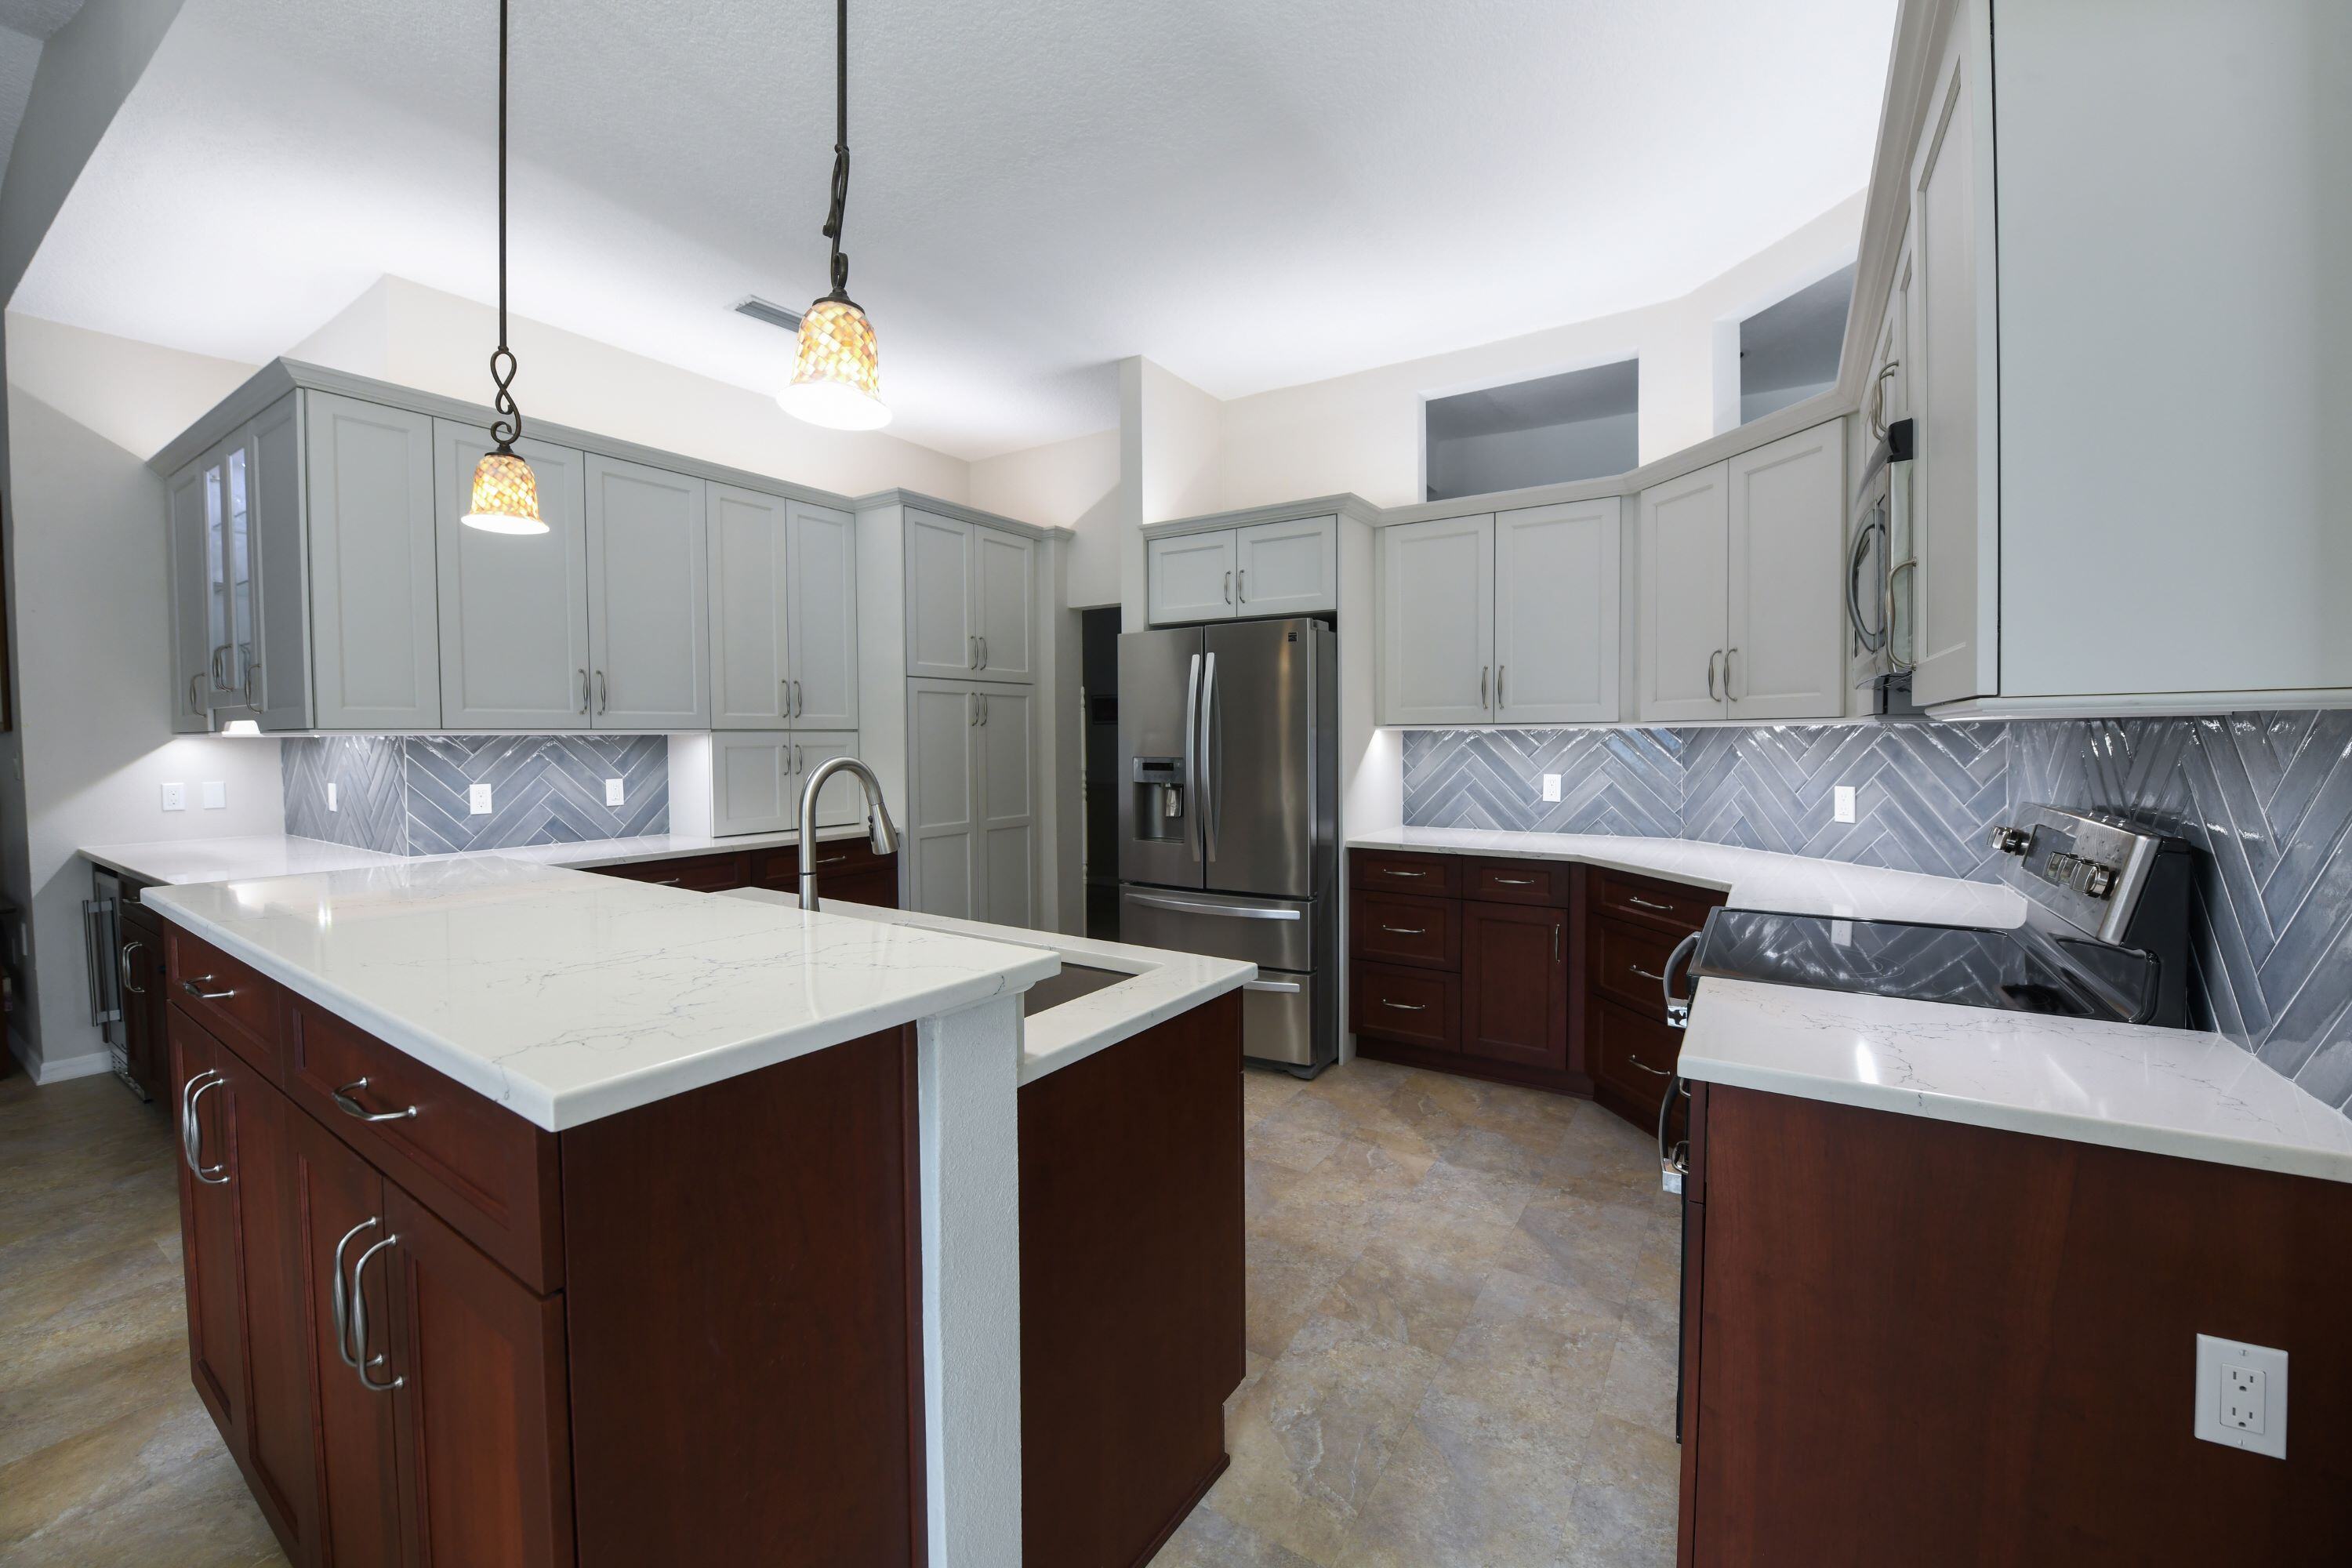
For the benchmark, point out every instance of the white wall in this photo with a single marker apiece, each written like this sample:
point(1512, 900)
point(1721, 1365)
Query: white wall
point(1513, 460)
point(88, 569)
point(1756, 404)
point(133, 395)
point(406, 333)
point(1363, 432)
point(1068, 484)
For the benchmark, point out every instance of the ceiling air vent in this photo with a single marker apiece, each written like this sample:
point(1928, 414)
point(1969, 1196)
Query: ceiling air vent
point(760, 309)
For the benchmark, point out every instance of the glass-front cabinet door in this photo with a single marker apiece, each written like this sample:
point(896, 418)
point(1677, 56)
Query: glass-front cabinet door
point(227, 496)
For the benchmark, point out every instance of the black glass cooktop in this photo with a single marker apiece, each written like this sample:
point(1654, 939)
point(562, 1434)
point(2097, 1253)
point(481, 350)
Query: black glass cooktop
point(2020, 971)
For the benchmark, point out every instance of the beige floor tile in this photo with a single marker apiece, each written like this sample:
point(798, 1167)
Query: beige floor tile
point(1281, 1139)
point(1209, 1540)
point(1265, 1089)
point(1445, 1502)
point(1287, 1283)
point(1622, 1515)
point(1404, 1293)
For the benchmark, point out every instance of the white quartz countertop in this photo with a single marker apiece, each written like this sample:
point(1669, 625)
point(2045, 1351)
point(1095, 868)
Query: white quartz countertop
point(2164, 1091)
point(568, 997)
point(182, 862)
point(1163, 983)
point(1750, 879)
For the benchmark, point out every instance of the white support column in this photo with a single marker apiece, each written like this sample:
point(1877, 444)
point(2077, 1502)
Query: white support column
point(968, 1083)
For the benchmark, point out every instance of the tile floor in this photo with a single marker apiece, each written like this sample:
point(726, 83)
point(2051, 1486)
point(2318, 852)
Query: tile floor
point(1461, 1333)
point(1461, 1338)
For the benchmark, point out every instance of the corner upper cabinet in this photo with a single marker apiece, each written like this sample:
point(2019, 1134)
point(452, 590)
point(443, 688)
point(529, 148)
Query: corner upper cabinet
point(1557, 592)
point(647, 601)
point(375, 635)
point(1437, 621)
point(514, 606)
point(1188, 577)
point(971, 601)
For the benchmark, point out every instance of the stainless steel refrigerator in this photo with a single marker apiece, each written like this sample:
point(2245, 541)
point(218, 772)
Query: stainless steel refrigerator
point(1228, 809)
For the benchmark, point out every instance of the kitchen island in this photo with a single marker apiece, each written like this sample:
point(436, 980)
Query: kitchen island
point(533, 1216)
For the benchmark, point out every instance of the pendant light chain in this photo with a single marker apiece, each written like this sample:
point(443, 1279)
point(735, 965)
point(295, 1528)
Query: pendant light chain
point(507, 428)
point(840, 148)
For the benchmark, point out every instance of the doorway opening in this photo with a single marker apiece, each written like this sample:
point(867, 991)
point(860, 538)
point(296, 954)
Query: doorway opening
point(1098, 766)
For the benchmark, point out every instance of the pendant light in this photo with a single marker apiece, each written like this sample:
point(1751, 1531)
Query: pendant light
point(836, 380)
point(506, 494)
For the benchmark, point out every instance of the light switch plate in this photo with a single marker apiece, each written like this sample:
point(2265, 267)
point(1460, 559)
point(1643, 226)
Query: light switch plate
point(175, 797)
point(216, 794)
point(478, 800)
point(613, 795)
point(331, 796)
point(1551, 787)
point(1841, 802)
point(2242, 1396)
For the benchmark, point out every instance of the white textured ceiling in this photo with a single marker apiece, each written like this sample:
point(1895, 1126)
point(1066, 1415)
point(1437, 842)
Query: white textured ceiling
point(1253, 194)
point(24, 27)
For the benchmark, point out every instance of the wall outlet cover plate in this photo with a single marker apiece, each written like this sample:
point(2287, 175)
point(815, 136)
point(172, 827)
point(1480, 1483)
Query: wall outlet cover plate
point(1841, 802)
point(478, 800)
point(331, 796)
point(175, 797)
point(1551, 787)
point(613, 795)
point(2242, 1396)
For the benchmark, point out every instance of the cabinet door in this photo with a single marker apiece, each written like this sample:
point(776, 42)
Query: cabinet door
point(191, 653)
point(1288, 568)
point(146, 1020)
point(648, 633)
point(942, 836)
point(843, 801)
point(941, 640)
point(752, 789)
point(1685, 565)
point(281, 640)
point(482, 1420)
point(1785, 655)
point(205, 1091)
point(1188, 578)
point(1008, 810)
point(1556, 607)
point(1954, 537)
point(341, 1200)
point(822, 575)
point(514, 606)
point(281, 1453)
point(1515, 985)
point(1437, 622)
point(752, 621)
point(228, 571)
point(376, 632)
point(1004, 607)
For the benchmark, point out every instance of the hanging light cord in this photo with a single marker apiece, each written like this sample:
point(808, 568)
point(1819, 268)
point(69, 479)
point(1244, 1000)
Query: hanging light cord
point(507, 429)
point(840, 148)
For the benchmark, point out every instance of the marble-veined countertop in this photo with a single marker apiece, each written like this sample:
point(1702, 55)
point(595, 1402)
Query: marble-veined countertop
point(184, 861)
point(565, 997)
point(1161, 985)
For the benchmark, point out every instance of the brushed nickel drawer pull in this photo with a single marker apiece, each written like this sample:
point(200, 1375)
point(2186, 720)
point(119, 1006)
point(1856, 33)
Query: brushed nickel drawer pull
point(1646, 974)
point(831, 859)
point(359, 1319)
point(353, 1109)
point(192, 1131)
point(195, 988)
point(1515, 881)
point(1654, 1072)
point(1640, 902)
point(1400, 871)
point(1405, 1006)
point(1406, 931)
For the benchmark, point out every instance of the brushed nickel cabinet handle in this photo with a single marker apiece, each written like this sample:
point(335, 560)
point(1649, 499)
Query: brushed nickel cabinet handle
point(799, 707)
point(984, 657)
point(1711, 660)
point(1653, 1072)
point(1646, 974)
point(1229, 587)
point(670, 882)
point(1405, 1006)
point(195, 988)
point(1500, 670)
point(340, 1297)
point(1515, 881)
point(1640, 902)
point(359, 1319)
point(123, 967)
point(211, 1175)
point(603, 694)
point(1399, 871)
point(1406, 931)
point(358, 1112)
point(583, 692)
point(1484, 671)
point(1727, 655)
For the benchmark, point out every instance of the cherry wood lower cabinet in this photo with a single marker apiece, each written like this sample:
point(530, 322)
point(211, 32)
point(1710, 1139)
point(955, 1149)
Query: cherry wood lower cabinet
point(1927, 1343)
point(845, 869)
point(1132, 1291)
point(1515, 985)
point(728, 1371)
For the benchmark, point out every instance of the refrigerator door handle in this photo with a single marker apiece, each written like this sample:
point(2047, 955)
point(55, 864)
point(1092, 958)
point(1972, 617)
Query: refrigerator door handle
point(1231, 911)
point(1191, 755)
point(1207, 793)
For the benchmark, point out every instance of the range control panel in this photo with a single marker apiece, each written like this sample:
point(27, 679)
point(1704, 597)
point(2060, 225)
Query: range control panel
point(2090, 870)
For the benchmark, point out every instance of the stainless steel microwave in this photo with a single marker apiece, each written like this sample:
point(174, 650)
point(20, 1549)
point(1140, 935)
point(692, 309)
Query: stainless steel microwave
point(1882, 570)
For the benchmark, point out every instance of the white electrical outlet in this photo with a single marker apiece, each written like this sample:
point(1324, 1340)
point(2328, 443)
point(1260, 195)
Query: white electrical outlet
point(175, 797)
point(1841, 802)
point(478, 800)
point(331, 796)
point(216, 794)
point(1551, 787)
point(2242, 1396)
point(613, 792)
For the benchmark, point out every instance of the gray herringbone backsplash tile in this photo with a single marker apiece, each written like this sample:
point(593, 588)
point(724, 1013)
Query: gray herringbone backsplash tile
point(409, 794)
point(2266, 796)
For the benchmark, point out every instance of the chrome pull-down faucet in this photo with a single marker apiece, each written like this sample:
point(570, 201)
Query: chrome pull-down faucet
point(880, 832)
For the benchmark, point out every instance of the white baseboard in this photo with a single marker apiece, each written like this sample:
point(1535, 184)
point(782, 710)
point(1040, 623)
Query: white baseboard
point(44, 1071)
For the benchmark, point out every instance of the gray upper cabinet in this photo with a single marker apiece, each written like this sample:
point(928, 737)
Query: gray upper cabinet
point(282, 638)
point(1557, 590)
point(971, 601)
point(752, 621)
point(1437, 622)
point(514, 606)
point(191, 649)
point(1188, 577)
point(944, 871)
point(648, 633)
point(1289, 568)
point(375, 639)
point(821, 571)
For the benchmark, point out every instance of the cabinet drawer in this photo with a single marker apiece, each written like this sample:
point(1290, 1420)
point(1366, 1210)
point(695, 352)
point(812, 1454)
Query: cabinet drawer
point(1633, 1055)
point(1627, 961)
point(1518, 882)
point(780, 869)
point(1411, 1006)
point(696, 873)
point(234, 1001)
point(1396, 927)
point(1666, 905)
point(486, 1171)
point(1437, 875)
